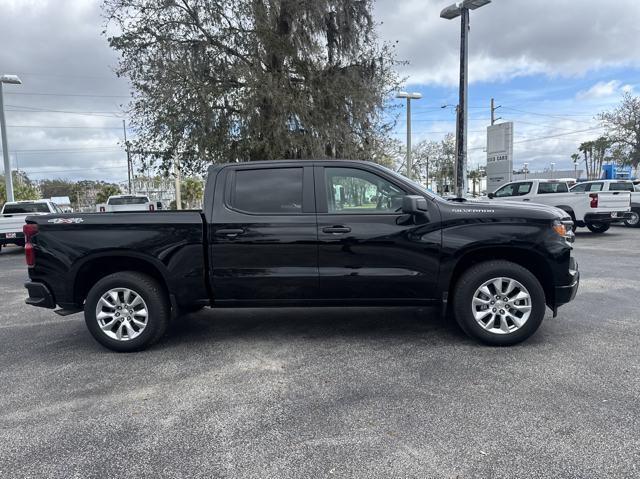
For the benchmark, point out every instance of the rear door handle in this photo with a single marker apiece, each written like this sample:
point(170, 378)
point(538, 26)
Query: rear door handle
point(336, 229)
point(230, 233)
point(526, 199)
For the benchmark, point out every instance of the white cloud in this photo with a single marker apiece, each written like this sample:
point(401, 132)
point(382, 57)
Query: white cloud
point(600, 90)
point(512, 38)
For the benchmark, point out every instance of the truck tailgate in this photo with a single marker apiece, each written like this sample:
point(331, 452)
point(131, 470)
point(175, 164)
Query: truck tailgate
point(11, 223)
point(613, 201)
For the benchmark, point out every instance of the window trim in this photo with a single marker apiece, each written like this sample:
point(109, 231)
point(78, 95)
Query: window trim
point(307, 180)
point(321, 191)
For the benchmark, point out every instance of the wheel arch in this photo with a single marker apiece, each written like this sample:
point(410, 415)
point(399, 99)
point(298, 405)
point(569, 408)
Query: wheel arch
point(96, 267)
point(527, 258)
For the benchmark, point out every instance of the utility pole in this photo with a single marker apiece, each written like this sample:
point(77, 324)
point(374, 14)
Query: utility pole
point(176, 167)
point(453, 11)
point(493, 112)
point(126, 144)
point(426, 172)
point(409, 97)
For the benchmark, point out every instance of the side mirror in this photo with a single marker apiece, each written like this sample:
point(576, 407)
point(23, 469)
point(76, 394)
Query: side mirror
point(414, 205)
point(491, 196)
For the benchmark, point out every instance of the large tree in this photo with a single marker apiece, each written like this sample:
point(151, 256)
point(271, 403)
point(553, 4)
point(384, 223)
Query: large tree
point(623, 128)
point(239, 80)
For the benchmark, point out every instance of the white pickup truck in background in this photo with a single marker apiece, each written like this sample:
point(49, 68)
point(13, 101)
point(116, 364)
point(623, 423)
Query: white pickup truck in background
point(13, 215)
point(596, 186)
point(596, 210)
point(126, 203)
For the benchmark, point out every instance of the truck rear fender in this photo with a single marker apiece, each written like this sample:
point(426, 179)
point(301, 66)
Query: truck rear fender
point(96, 267)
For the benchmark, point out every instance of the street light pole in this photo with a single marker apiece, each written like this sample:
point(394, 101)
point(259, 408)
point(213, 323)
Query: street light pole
point(12, 80)
point(409, 97)
point(453, 11)
point(552, 168)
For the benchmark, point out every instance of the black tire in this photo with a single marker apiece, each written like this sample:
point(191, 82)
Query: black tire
point(159, 310)
point(634, 222)
point(598, 227)
point(474, 278)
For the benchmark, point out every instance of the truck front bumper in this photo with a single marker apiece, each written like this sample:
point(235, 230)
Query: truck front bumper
point(566, 293)
point(607, 217)
point(39, 295)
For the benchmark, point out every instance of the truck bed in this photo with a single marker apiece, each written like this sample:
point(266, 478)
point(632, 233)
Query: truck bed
point(71, 247)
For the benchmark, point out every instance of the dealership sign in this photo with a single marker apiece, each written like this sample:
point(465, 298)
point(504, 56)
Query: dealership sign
point(499, 155)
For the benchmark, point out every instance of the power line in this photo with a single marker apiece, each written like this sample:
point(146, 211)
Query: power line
point(89, 95)
point(58, 126)
point(29, 109)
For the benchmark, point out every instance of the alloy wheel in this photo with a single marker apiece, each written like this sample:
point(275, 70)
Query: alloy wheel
point(501, 305)
point(122, 314)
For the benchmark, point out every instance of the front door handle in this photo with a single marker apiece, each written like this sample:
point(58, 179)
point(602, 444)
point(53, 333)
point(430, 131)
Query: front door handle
point(526, 199)
point(229, 233)
point(336, 230)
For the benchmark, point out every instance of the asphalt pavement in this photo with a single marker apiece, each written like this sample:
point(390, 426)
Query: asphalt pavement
point(339, 392)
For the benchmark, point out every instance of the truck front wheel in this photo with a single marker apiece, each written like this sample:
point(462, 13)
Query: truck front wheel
point(127, 311)
point(598, 227)
point(499, 303)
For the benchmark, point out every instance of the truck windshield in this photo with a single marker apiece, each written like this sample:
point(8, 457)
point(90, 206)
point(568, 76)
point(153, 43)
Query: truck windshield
point(128, 200)
point(22, 208)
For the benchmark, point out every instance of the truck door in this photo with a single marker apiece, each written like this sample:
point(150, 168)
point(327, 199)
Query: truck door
point(263, 235)
point(368, 249)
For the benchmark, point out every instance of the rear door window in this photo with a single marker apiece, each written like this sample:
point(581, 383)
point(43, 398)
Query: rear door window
point(544, 188)
point(268, 191)
point(621, 186)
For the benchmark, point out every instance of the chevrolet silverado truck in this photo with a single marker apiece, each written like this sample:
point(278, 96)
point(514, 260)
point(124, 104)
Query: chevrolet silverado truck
point(596, 211)
point(305, 233)
point(596, 186)
point(12, 218)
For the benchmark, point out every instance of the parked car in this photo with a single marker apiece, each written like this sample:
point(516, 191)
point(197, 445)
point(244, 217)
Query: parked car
point(596, 211)
point(118, 203)
point(12, 218)
point(310, 233)
point(594, 186)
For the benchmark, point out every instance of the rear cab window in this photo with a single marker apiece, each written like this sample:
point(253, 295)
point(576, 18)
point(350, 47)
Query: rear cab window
point(128, 200)
point(25, 208)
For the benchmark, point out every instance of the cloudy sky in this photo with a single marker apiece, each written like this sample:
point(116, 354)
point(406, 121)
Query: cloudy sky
point(551, 64)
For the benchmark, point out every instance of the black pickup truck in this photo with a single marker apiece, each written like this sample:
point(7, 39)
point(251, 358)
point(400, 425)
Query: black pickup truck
point(292, 233)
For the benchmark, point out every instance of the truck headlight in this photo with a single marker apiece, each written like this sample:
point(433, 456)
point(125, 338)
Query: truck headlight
point(564, 229)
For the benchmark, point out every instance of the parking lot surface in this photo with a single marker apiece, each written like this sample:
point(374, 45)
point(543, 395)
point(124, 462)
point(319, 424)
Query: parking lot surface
point(340, 392)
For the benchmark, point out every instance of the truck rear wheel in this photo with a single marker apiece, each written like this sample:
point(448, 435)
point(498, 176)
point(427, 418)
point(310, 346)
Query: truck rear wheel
point(634, 221)
point(127, 311)
point(598, 227)
point(499, 303)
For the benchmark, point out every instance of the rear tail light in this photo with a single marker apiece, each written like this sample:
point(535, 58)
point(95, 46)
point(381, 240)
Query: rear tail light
point(594, 200)
point(29, 230)
point(151, 207)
